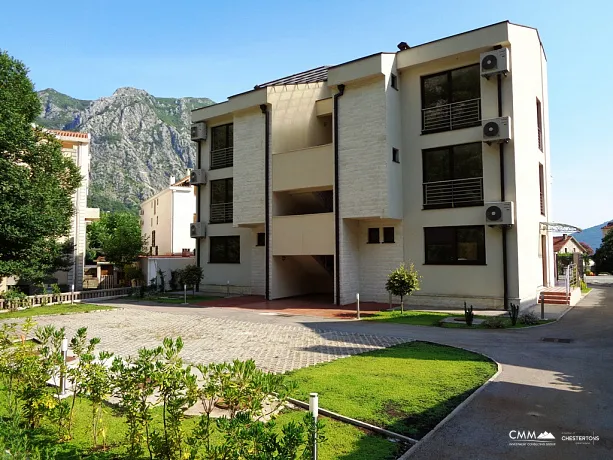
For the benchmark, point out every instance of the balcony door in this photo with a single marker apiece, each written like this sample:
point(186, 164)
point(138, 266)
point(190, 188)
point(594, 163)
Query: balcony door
point(221, 201)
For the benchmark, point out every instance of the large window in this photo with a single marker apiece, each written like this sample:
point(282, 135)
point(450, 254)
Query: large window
point(221, 201)
point(222, 146)
point(453, 176)
point(451, 99)
point(455, 245)
point(225, 249)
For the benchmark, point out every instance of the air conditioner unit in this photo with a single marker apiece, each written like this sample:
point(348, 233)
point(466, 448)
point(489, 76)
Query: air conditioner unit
point(495, 62)
point(197, 230)
point(197, 177)
point(496, 130)
point(499, 213)
point(199, 131)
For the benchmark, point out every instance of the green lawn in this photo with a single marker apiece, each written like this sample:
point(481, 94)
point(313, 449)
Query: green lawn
point(62, 309)
point(408, 388)
point(179, 299)
point(429, 318)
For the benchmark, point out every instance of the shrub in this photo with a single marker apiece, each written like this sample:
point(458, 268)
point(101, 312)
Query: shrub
point(15, 298)
point(402, 281)
point(175, 280)
point(134, 273)
point(191, 275)
point(468, 315)
point(495, 322)
point(583, 286)
point(513, 312)
point(529, 318)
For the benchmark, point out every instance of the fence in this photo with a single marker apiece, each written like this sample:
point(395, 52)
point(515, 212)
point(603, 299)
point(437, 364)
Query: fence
point(571, 278)
point(64, 297)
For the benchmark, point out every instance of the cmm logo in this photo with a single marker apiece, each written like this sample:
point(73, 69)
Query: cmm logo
point(531, 437)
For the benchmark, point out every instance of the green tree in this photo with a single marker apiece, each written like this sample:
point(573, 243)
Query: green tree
point(603, 257)
point(191, 275)
point(118, 237)
point(37, 182)
point(402, 281)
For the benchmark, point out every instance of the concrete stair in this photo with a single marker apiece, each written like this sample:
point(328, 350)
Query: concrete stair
point(557, 297)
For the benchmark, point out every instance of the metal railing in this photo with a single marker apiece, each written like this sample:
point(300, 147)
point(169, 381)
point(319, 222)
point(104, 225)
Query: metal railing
point(449, 193)
point(64, 297)
point(222, 213)
point(452, 116)
point(571, 278)
point(222, 158)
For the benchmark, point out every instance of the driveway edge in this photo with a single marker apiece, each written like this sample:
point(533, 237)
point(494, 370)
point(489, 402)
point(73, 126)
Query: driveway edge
point(458, 408)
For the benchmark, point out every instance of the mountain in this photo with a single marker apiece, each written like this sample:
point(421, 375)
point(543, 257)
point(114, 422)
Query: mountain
point(591, 236)
point(138, 141)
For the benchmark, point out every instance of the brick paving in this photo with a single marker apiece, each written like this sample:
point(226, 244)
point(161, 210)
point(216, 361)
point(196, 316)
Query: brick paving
point(274, 346)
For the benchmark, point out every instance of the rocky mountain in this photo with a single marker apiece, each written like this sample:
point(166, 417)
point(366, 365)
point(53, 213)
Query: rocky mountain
point(138, 141)
point(592, 235)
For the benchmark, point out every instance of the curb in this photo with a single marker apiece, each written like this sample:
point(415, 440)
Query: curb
point(458, 408)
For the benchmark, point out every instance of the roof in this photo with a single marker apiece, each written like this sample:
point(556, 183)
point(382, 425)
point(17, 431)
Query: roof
point(560, 241)
point(181, 182)
point(59, 132)
point(588, 249)
point(316, 75)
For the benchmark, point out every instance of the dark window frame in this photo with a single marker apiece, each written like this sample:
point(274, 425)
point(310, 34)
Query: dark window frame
point(371, 239)
point(450, 99)
point(229, 146)
point(451, 170)
point(387, 238)
point(229, 197)
point(395, 155)
point(542, 188)
point(481, 251)
point(261, 239)
point(394, 81)
point(539, 123)
point(226, 258)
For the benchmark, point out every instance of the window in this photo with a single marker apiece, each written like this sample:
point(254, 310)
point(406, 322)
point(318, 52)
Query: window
point(388, 234)
point(225, 250)
point(455, 245)
point(539, 123)
point(221, 201)
point(151, 222)
point(394, 81)
point(157, 220)
point(453, 176)
point(395, 155)
point(542, 188)
point(451, 100)
point(222, 146)
point(261, 239)
point(153, 238)
point(373, 236)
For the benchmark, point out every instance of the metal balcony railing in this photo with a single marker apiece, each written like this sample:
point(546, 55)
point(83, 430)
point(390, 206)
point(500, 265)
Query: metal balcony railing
point(222, 158)
point(221, 213)
point(452, 116)
point(453, 193)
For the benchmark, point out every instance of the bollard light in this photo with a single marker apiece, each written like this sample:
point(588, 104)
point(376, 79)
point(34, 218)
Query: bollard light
point(357, 303)
point(64, 345)
point(314, 409)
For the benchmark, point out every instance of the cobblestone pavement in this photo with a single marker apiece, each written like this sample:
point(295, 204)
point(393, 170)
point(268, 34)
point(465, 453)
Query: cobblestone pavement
point(275, 347)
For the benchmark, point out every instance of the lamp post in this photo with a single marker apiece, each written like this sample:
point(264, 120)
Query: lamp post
point(314, 409)
point(357, 303)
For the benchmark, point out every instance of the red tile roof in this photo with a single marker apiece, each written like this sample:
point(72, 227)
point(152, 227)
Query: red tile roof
point(59, 132)
point(560, 241)
point(588, 249)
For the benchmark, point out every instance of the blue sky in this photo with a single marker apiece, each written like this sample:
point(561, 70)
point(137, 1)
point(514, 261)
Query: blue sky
point(215, 49)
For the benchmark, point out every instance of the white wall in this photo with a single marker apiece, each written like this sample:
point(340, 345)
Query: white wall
point(151, 265)
point(157, 216)
point(183, 210)
point(258, 264)
point(349, 260)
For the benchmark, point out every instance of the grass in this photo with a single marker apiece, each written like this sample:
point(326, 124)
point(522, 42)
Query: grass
point(429, 318)
point(179, 299)
point(408, 388)
point(586, 290)
point(62, 309)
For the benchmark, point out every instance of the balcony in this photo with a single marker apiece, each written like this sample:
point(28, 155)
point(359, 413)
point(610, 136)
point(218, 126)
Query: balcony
point(448, 117)
point(304, 169)
point(221, 213)
point(222, 158)
point(453, 193)
point(306, 234)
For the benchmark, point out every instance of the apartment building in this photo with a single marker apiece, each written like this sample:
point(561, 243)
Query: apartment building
point(165, 220)
point(76, 145)
point(437, 154)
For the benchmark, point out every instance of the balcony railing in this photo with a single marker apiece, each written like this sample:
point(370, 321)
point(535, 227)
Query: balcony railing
point(221, 213)
point(452, 116)
point(453, 193)
point(222, 158)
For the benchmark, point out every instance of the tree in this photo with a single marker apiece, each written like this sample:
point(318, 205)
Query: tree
point(37, 182)
point(117, 237)
point(603, 257)
point(402, 281)
point(191, 275)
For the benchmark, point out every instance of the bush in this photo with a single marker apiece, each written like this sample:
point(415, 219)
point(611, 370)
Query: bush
point(191, 275)
point(175, 280)
point(529, 318)
point(468, 315)
point(495, 322)
point(583, 286)
point(513, 313)
point(402, 281)
point(15, 298)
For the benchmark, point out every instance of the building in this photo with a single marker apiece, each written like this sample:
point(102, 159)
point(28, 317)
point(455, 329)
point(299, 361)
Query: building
point(76, 145)
point(566, 244)
point(165, 221)
point(606, 229)
point(438, 154)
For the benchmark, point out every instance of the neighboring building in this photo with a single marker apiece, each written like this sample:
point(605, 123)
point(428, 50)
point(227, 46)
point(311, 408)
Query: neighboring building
point(165, 221)
point(76, 145)
point(566, 244)
point(326, 180)
point(606, 229)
